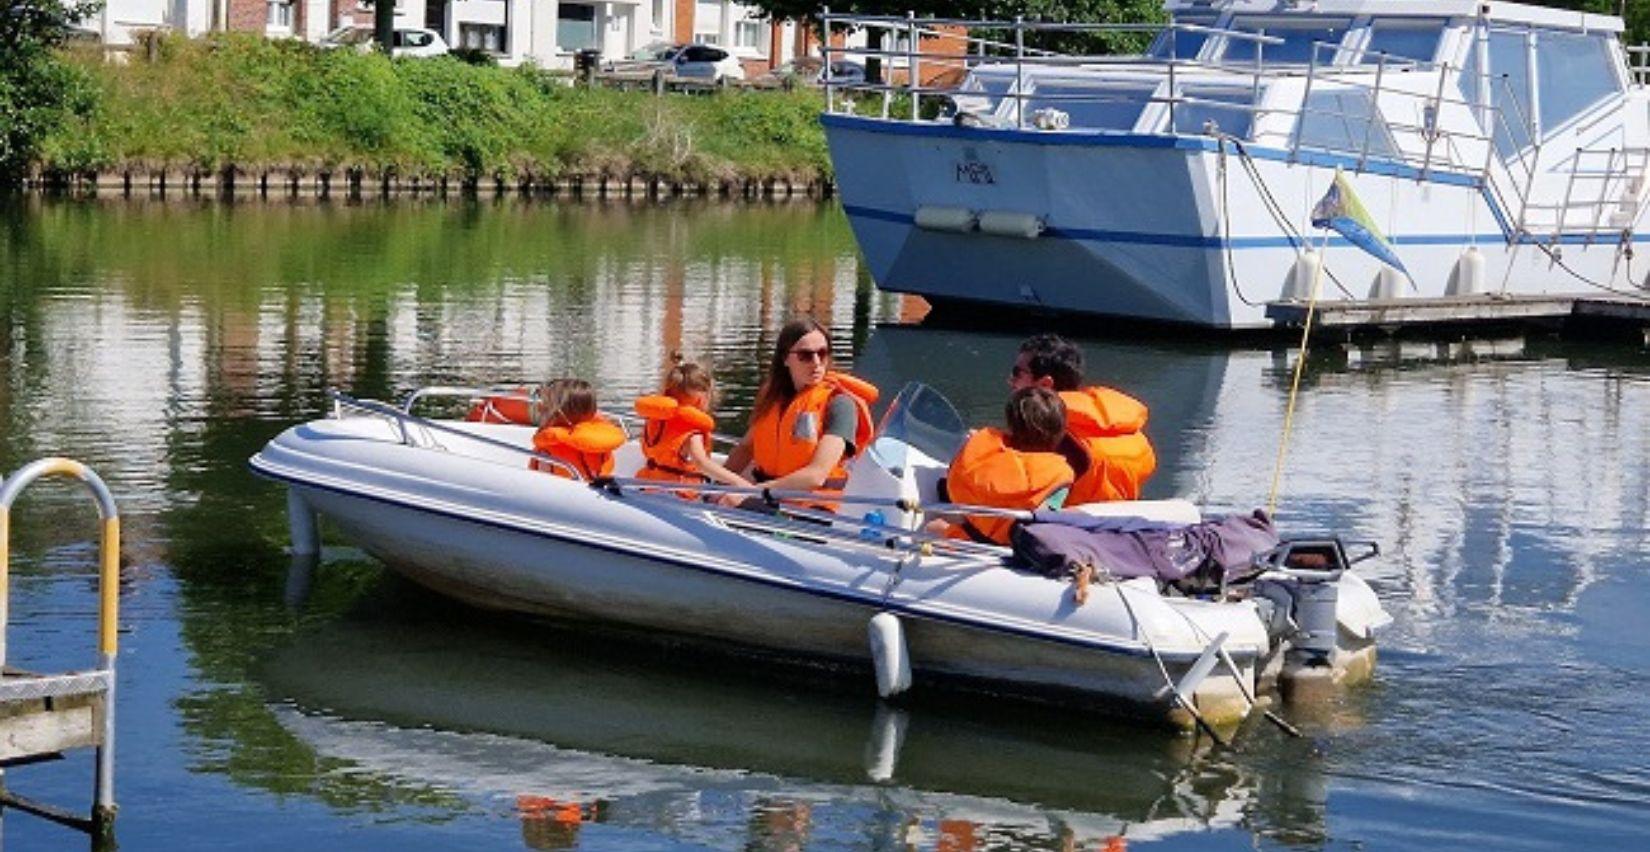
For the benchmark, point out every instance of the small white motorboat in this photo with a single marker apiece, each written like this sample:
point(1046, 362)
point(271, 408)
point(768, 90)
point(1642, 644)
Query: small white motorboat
point(454, 506)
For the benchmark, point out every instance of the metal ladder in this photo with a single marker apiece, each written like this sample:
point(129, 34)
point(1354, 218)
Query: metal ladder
point(43, 715)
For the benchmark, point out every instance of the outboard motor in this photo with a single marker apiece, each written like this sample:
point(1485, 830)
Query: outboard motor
point(1300, 582)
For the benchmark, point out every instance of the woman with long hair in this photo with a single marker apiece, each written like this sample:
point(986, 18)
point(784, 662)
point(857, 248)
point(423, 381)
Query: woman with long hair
point(809, 420)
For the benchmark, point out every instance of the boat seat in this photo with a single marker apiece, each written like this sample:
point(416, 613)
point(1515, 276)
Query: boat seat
point(628, 459)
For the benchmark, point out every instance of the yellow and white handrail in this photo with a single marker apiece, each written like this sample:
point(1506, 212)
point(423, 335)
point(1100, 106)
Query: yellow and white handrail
point(108, 600)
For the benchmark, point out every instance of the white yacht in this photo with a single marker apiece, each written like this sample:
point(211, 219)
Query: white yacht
point(1502, 148)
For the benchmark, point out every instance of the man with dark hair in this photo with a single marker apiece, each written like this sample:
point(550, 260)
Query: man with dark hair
point(1106, 425)
point(1051, 357)
point(1017, 469)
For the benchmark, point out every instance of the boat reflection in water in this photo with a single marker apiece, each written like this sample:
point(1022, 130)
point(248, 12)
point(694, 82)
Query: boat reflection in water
point(567, 732)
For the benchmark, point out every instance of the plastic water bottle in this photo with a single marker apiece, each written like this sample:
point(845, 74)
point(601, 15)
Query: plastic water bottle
point(874, 516)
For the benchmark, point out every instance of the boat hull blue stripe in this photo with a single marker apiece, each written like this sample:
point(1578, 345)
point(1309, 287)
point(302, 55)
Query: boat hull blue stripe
point(870, 602)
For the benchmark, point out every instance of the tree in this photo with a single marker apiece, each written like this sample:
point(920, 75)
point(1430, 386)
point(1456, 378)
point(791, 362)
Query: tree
point(37, 89)
point(383, 24)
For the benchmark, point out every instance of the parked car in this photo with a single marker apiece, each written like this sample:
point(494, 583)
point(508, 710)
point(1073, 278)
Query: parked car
point(698, 61)
point(810, 71)
point(703, 61)
point(408, 41)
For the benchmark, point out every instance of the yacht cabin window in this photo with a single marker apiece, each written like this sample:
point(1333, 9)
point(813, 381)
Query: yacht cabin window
point(1299, 38)
point(1510, 87)
point(1091, 105)
point(1416, 41)
point(1230, 110)
point(1575, 71)
point(1181, 44)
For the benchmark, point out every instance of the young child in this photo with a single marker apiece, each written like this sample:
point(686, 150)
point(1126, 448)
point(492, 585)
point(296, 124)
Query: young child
point(1018, 469)
point(676, 439)
point(571, 430)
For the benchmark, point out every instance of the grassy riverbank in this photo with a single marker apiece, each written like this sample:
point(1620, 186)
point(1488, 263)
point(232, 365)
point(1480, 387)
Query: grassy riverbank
point(255, 104)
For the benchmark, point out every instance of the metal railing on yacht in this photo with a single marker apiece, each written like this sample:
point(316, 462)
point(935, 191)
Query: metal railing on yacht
point(1638, 63)
point(1498, 147)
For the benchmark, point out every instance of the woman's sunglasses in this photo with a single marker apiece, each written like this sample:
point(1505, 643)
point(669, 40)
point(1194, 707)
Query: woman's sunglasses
point(811, 355)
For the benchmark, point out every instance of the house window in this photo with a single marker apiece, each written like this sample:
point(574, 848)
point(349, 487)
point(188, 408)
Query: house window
point(575, 26)
point(658, 16)
point(750, 35)
point(280, 15)
point(707, 22)
point(488, 37)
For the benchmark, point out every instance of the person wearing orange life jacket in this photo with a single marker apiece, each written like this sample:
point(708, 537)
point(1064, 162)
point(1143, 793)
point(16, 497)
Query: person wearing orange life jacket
point(676, 436)
point(1106, 425)
point(1021, 468)
point(572, 431)
point(809, 421)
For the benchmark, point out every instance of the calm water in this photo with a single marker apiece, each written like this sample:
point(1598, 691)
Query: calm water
point(165, 343)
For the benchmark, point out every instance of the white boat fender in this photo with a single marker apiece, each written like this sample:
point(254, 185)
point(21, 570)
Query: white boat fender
point(1006, 223)
point(1297, 285)
point(1387, 284)
point(889, 655)
point(958, 220)
point(883, 747)
point(1467, 277)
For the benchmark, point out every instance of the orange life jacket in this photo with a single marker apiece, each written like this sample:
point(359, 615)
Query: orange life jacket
point(783, 441)
point(587, 446)
point(988, 472)
point(1108, 425)
point(669, 426)
point(510, 407)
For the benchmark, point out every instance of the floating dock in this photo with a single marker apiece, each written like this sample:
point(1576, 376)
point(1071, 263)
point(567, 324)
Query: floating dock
point(1390, 316)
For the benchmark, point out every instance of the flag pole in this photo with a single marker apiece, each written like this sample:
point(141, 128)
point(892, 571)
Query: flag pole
point(1300, 366)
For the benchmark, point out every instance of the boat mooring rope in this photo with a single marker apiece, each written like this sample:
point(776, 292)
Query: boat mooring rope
point(1295, 383)
point(1268, 201)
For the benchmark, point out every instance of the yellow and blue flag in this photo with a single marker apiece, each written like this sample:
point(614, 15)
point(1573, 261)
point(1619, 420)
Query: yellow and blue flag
point(1341, 211)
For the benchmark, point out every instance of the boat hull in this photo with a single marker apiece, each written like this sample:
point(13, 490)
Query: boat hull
point(469, 520)
point(568, 581)
point(1145, 227)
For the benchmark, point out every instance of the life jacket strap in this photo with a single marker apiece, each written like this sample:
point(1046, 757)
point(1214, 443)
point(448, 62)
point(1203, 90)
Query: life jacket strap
point(676, 471)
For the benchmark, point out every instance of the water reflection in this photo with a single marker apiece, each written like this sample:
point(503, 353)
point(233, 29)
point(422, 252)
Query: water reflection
point(165, 343)
point(577, 729)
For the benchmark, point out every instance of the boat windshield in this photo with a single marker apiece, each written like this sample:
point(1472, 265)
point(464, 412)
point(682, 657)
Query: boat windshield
point(1176, 43)
point(922, 420)
point(1302, 39)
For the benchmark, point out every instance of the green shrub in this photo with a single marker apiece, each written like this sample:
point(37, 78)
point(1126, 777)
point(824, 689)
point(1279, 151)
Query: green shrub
point(237, 99)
